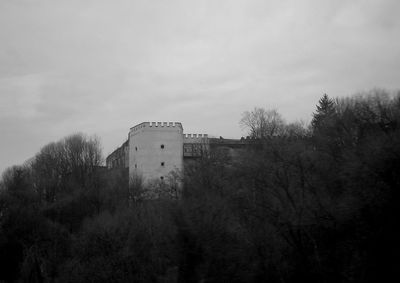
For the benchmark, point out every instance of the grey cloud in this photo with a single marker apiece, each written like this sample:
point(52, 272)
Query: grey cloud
point(101, 66)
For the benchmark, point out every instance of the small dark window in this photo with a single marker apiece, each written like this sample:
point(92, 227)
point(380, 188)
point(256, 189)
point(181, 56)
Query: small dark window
point(135, 165)
point(136, 148)
point(162, 163)
point(162, 178)
point(162, 146)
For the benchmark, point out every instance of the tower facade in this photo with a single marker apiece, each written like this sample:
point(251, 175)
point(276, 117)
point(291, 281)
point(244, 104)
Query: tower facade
point(155, 149)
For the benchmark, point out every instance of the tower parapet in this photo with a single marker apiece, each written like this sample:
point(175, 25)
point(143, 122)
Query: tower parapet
point(165, 124)
point(154, 125)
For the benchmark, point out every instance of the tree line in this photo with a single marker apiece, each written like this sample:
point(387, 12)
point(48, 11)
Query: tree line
point(306, 203)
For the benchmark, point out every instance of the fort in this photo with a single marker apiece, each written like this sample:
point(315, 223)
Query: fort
point(154, 149)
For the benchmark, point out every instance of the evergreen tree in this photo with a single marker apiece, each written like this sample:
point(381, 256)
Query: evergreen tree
point(325, 110)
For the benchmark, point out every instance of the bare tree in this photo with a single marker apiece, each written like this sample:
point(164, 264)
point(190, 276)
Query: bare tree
point(298, 129)
point(74, 159)
point(262, 123)
point(136, 189)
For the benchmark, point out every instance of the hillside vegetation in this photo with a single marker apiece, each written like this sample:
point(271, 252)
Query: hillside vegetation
point(307, 203)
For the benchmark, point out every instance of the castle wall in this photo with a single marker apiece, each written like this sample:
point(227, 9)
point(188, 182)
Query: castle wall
point(119, 157)
point(195, 145)
point(155, 149)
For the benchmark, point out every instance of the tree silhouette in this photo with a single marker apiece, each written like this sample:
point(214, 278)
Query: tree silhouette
point(262, 123)
point(325, 111)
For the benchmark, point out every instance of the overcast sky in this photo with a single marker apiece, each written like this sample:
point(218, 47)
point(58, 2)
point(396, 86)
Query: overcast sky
point(101, 67)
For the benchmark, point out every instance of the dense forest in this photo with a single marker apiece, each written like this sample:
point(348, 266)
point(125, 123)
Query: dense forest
point(306, 203)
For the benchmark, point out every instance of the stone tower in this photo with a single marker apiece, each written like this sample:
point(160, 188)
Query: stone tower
point(155, 149)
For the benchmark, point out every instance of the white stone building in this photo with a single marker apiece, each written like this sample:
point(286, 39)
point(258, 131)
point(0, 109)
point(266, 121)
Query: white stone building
point(154, 149)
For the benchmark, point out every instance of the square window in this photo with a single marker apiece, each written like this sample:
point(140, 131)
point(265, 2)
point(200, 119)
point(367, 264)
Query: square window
point(162, 178)
point(162, 163)
point(162, 146)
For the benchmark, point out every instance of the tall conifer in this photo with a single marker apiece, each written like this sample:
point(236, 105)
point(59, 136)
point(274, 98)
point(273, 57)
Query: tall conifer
point(325, 110)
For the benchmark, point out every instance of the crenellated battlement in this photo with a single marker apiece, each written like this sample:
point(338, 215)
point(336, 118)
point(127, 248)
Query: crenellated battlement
point(165, 124)
point(156, 124)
